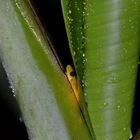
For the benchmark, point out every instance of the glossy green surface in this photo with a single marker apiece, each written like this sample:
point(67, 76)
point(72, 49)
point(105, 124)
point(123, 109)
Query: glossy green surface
point(74, 26)
point(111, 49)
point(46, 100)
point(74, 20)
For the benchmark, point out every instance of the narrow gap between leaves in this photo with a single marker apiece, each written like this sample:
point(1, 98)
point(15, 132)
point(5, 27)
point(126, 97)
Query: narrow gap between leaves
point(50, 14)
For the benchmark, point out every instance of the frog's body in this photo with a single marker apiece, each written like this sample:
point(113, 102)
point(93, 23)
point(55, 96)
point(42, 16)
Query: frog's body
point(73, 80)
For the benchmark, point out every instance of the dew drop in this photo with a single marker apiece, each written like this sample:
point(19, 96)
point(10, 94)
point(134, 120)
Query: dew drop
point(84, 61)
point(82, 85)
point(132, 27)
point(125, 50)
point(130, 20)
point(105, 103)
point(70, 12)
point(20, 119)
point(124, 129)
point(83, 55)
point(86, 84)
point(7, 6)
point(74, 53)
point(78, 9)
point(83, 13)
point(118, 106)
point(13, 90)
point(133, 66)
point(125, 10)
point(123, 90)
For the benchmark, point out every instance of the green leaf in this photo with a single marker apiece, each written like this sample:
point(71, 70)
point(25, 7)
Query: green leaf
point(74, 23)
point(72, 10)
point(47, 103)
point(104, 41)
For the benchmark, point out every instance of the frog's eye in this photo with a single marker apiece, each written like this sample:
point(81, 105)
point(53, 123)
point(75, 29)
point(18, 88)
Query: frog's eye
point(72, 73)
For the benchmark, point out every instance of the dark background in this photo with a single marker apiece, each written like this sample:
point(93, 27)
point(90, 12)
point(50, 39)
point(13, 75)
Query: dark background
point(11, 126)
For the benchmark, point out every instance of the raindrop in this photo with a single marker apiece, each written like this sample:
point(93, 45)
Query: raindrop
point(7, 6)
point(70, 12)
point(112, 79)
point(124, 110)
point(132, 27)
point(125, 50)
point(84, 61)
point(123, 90)
point(15, 23)
point(20, 119)
point(130, 20)
point(74, 53)
point(133, 66)
point(13, 91)
point(84, 3)
point(83, 55)
point(125, 10)
point(81, 33)
point(124, 129)
point(87, 14)
point(83, 13)
point(78, 9)
point(83, 85)
point(118, 106)
point(105, 103)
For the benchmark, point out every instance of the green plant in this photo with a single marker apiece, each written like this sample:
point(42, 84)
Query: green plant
point(48, 105)
point(104, 42)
